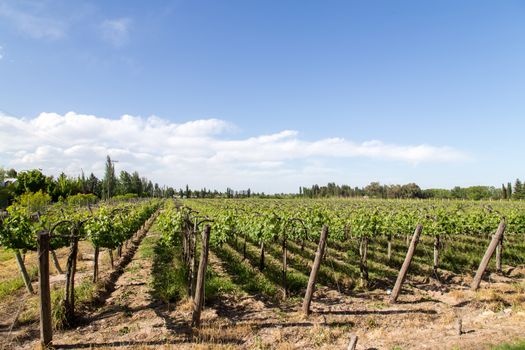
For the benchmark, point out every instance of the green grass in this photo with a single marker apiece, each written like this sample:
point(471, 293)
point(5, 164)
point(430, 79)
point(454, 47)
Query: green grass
point(85, 293)
point(6, 255)
point(169, 273)
point(245, 276)
point(217, 286)
point(10, 286)
point(519, 345)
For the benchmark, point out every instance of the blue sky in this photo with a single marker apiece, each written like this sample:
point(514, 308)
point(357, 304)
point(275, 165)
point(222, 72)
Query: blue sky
point(447, 75)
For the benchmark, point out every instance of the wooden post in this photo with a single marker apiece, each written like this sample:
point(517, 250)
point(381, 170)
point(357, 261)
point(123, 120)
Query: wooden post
point(436, 253)
point(499, 255)
point(353, 342)
point(46, 330)
point(198, 300)
point(69, 298)
point(95, 264)
point(315, 269)
point(261, 259)
point(363, 261)
point(285, 267)
point(56, 263)
point(459, 326)
point(406, 264)
point(23, 271)
point(488, 254)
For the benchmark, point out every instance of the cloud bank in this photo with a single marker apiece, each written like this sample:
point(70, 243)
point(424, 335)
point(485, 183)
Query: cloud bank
point(200, 152)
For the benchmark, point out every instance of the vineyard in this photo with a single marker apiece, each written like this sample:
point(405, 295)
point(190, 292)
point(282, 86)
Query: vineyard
point(274, 273)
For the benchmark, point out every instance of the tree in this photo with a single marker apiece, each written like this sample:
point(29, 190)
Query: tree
point(458, 193)
point(30, 181)
point(109, 179)
point(93, 185)
point(503, 191)
point(64, 187)
point(11, 173)
point(136, 184)
point(519, 191)
point(374, 189)
point(125, 184)
point(509, 191)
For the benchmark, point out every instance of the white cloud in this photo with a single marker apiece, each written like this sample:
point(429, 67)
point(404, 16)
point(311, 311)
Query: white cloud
point(195, 152)
point(32, 23)
point(116, 31)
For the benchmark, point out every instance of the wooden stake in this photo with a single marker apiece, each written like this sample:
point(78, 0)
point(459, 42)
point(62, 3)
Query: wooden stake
point(198, 301)
point(285, 267)
point(363, 261)
point(499, 255)
point(436, 253)
point(261, 259)
point(459, 326)
point(23, 271)
point(56, 263)
point(46, 331)
point(95, 264)
point(353, 342)
point(488, 254)
point(315, 269)
point(406, 264)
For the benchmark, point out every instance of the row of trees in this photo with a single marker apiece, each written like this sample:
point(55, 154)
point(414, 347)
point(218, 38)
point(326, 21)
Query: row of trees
point(518, 192)
point(412, 190)
point(64, 186)
point(374, 190)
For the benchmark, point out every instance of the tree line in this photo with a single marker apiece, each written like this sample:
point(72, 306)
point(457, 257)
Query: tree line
point(412, 190)
point(60, 188)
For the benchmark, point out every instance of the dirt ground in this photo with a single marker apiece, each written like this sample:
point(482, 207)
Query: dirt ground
point(425, 317)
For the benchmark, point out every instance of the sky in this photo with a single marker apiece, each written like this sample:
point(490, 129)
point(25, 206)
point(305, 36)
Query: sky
point(267, 95)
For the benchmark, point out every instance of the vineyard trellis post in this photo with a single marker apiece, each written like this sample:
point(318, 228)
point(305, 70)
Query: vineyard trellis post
point(406, 264)
point(353, 342)
point(46, 331)
point(499, 255)
point(198, 300)
point(315, 269)
point(23, 271)
point(261, 258)
point(56, 263)
point(95, 264)
point(488, 254)
point(363, 261)
point(437, 246)
point(285, 267)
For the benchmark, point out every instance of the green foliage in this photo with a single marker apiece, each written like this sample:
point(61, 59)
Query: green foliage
point(81, 199)
point(519, 345)
point(31, 181)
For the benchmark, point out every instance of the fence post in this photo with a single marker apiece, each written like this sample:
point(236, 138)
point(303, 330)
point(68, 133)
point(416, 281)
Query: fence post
point(198, 300)
point(315, 269)
point(46, 331)
point(406, 264)
point(488, 254)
